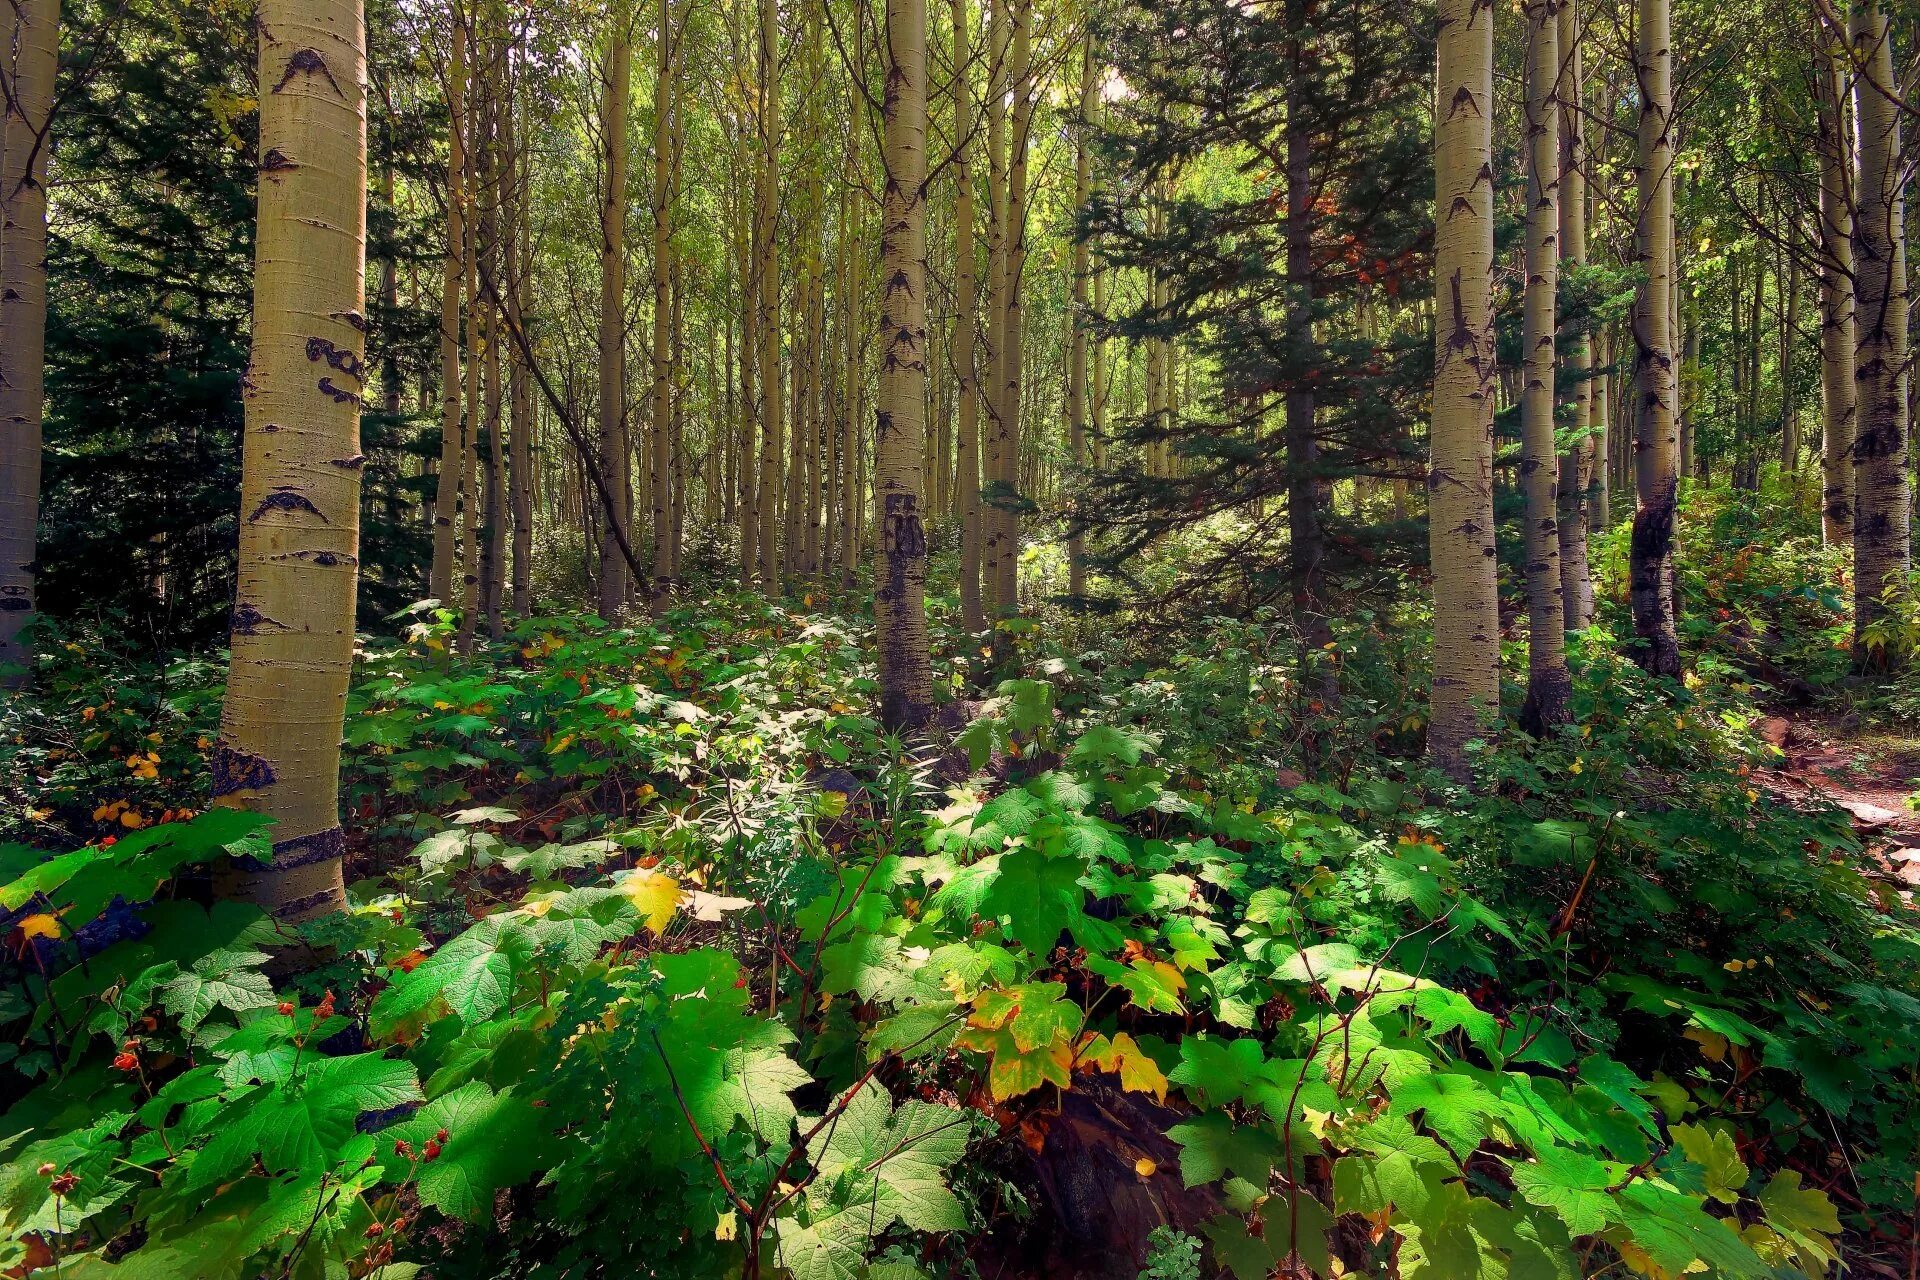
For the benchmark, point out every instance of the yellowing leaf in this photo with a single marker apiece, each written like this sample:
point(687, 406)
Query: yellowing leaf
point(654, 894)
point(41, 926)
point(1145, 1168)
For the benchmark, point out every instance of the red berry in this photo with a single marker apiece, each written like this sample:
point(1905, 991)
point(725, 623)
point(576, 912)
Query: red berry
point(65, 1183)
point(441, 1137)
point(402, 1149)
point(431, 1151)
point(126, 1062)
point(286, 1008)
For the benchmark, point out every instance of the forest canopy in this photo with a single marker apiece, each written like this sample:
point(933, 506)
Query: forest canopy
point(862, 640)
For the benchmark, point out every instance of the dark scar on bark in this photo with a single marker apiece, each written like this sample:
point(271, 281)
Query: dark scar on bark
point(285, 500)
point(340, 394)
point(354, 463)
point(301, 851)
point(275, 160)
point(336, 357)
point(247, 619)
point(307, 62)
point(235, 770)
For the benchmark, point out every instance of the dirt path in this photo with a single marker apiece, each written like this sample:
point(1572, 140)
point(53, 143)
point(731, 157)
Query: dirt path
point(1867, 773)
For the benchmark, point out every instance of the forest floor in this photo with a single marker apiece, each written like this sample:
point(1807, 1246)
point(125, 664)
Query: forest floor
point(1870, 773)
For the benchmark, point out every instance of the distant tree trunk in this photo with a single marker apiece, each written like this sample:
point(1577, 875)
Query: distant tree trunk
point(1577, 464)
point(995, 448)
point(1600, 425)
point(472, 423)
point(23, 317)
point(767, 247)
point(1789, 348)
point(1656, 434)
point(278, 751)
point(1882, 557)
point(965, 324)
point(660, 428)
point(615, 456)
point(900, 563)
point(1549, 687)
point(492, 187)
point(1466, 620)
point(1836, 303)
point(1006, 589)
point(519, 262)
point(747, 239)
point(446, 507)
point(1077, 356)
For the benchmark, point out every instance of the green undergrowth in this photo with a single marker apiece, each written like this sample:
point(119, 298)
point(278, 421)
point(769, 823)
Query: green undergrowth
point(663, 959)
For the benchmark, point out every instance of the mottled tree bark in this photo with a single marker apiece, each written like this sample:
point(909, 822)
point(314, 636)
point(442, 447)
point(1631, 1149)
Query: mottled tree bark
point(1577, 467)
point(1836, 302)
point(659, 428)
point(1656, 430)
point(278, 751)
point(1466, 621)
point(23, 316)
point(900, 562)
point(965, 325)
point(1549, 687)
point(772, 378)
point(1882, 555)
point(446, 505)
point(1077, 355)
point(615, 457)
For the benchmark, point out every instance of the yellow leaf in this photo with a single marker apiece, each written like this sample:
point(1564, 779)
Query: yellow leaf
point(654, 894)
point(41, 926)
point(728, 1227)
point(1145, 1168)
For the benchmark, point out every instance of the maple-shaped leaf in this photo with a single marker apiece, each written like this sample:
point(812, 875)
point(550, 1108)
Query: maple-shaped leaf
point(1292, 1226)
point(866, 964)
point(654, 894)
point(299, 1124)
point(1452, 1104)
point(1572, 1184)
point(1105, 744)
point(1212, 1146)
point(1804, 1217)
point(492, 1142)
point(891, 1162)
point(1039, 897)
point(1122, 1055)
point(1215, 1071)
point(220, 980)
point(1723, 1173)
point(474, 973)
point(1153, 985)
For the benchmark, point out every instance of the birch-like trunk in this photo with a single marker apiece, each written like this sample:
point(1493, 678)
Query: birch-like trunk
point(772, 378)
point(446, 505)
point(1577, 463)
point(1549, 687)
point(1466, 619)
point(615, 458)
point(1077, 353)
point(965, 325)
point(1882, 557)
point(23, 316)
point(659, 429)
point(900, 561)
point(1656, 445)
point(1836, 303)
point(278, 751)
point(1012, 355)
point(994, 446)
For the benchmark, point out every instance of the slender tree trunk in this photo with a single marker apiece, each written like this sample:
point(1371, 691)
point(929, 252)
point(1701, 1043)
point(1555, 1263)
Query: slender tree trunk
point(1882, 557)
point(1600, 427)
point(771, 377)
point(747, 237)
point(660, 429)
point(1077, 355)
point(472, 422)
point(1836, 303)
point(1466, 620)
point(279, 747)
point(519, 260)
point(995, 448)
point(615, 457)
point(446, 509)
point(1577, 464)
point(23, 317)
point(900, 562)
point(1656, 433)
point(852, 456)
point(1549, 687)
point(965, 325)
point(492, 170)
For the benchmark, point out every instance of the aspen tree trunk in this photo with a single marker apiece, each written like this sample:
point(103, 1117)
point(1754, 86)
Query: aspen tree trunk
point(771, 377)
point(278, 751)
point(1077, 355)
point(615, 458)
point(446, 508)
point(965, 323)
point(1006, 592)
point(1600, 424)
point(660, 428)
point(994, 448)
point(747, 236)
point(1656, 450)
point(472, 422)
point(1466, 620)
point(1549, 687)
point(1789, 347)
point(493, 549)
point(1882, 557)
point(900, 561)
point(1836, 304)
point(853, 494)
point(1577, 464)
point(23, 317)
point(1097, 416)
point(520, 393)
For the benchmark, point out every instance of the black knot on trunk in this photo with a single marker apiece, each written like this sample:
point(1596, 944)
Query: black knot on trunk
point(235, 770)
point(285, 499)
